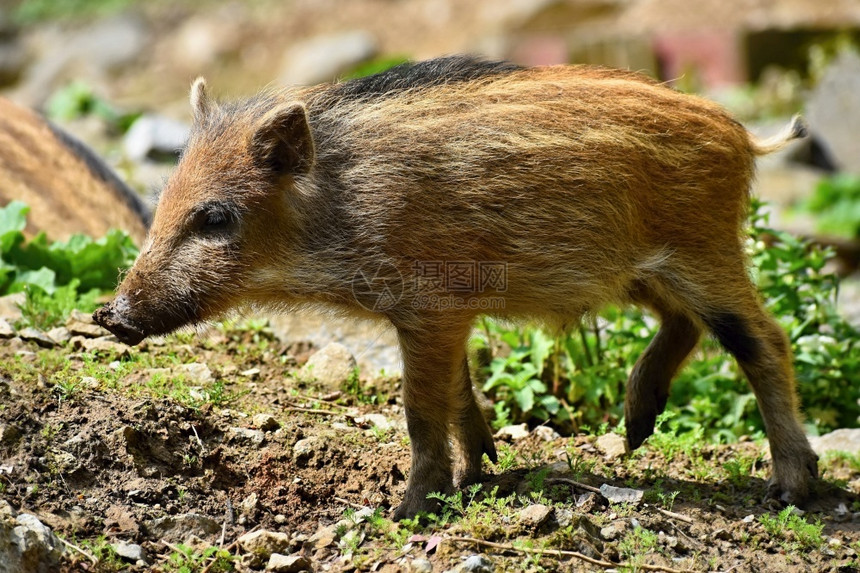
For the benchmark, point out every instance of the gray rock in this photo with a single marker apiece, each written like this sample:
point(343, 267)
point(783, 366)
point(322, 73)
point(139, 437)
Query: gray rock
point(476, 564)
point(288, 563)
point(621, 494)
point(260, 545)
point(379, 420)
point(60, 334)
point(265, 422)
point(196, 372)
point(10, 306)
point(515, 432)
point(330, 367)
point(177, 528)
point(249, 504)
point(842, 440)
point(323, 58)
point(306, 447)
point(6, 329)
point(833, 111)
point(30, 334)
point(246, 435)
point(80, 324)
point(324, 537)
point(155, 137)
point(26, 544)
point(420, 565)
point(546, 433)
point(612, 445)
point(535, 515)
point(105, 344)
point(129, 551)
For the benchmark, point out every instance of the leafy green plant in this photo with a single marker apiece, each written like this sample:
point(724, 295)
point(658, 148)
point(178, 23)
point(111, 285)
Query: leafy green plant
point(793, 529)
point(185, 559)
point(635, 545)
point(78, 99)
point(836, 204)
point(61, 275)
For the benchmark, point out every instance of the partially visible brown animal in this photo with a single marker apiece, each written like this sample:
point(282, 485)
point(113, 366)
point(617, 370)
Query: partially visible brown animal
point(68, 187)
point(589, 186)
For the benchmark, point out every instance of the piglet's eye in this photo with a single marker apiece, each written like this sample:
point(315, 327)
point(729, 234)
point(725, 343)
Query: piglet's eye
point(215, 221)
point(215, 218)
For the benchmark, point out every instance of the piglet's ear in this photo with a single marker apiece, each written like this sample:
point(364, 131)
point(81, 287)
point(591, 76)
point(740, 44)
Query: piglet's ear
point(200, 103)
point(283, 141)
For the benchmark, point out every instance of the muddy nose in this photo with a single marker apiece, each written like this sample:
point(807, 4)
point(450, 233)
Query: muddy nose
point(114, 317)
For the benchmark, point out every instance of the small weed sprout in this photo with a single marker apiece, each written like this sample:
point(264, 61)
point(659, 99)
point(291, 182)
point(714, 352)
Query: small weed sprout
point(793, 530)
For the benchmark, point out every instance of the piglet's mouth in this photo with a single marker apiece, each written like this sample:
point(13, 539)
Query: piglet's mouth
point(111, 317)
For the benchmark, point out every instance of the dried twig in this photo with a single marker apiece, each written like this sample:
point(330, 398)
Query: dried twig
point(679, 516)
point(347, 502)
point(89, 556)
point(313, 411)
point(563, 553)
point(575, 484)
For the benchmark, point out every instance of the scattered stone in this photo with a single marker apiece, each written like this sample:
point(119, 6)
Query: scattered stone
point(588, 501)
point(324, 537)
point(89, 382)
point(155, 137)
point(842, 440)
point(833, 111)
point(246, 435)
point(420, 565)
point(60, 334)
point(380, 421)
point(177, 528)
point(749, 519)
point(306, 447)
point(261, 544)
point(476, 564)
point(265, 422)
point(330, 367)
point(612, 445)
point(10, 306)
point(26, 544)
point(611, 531)
point(249, 504)
point(30, 334)
point(546, 433)
point(621, 494)
point(196, 372)
point(288, 563)
point(515, 432)
point(106, 345)
point(535, 515)
point(252, 373)
point(81, 323)
point(6, 329)
point(129, 551)
point(323, 58)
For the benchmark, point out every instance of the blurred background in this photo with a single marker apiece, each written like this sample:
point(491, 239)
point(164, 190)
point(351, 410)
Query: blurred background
point(115, 73)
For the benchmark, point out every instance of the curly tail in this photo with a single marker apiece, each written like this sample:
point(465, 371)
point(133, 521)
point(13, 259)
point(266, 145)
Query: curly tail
point(795, 130)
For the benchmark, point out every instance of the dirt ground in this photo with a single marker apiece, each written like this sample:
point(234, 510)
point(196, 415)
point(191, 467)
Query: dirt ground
point(136, 446)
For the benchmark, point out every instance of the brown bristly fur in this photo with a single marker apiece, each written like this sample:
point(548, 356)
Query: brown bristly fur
point(591, 185)
point(68, 189)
